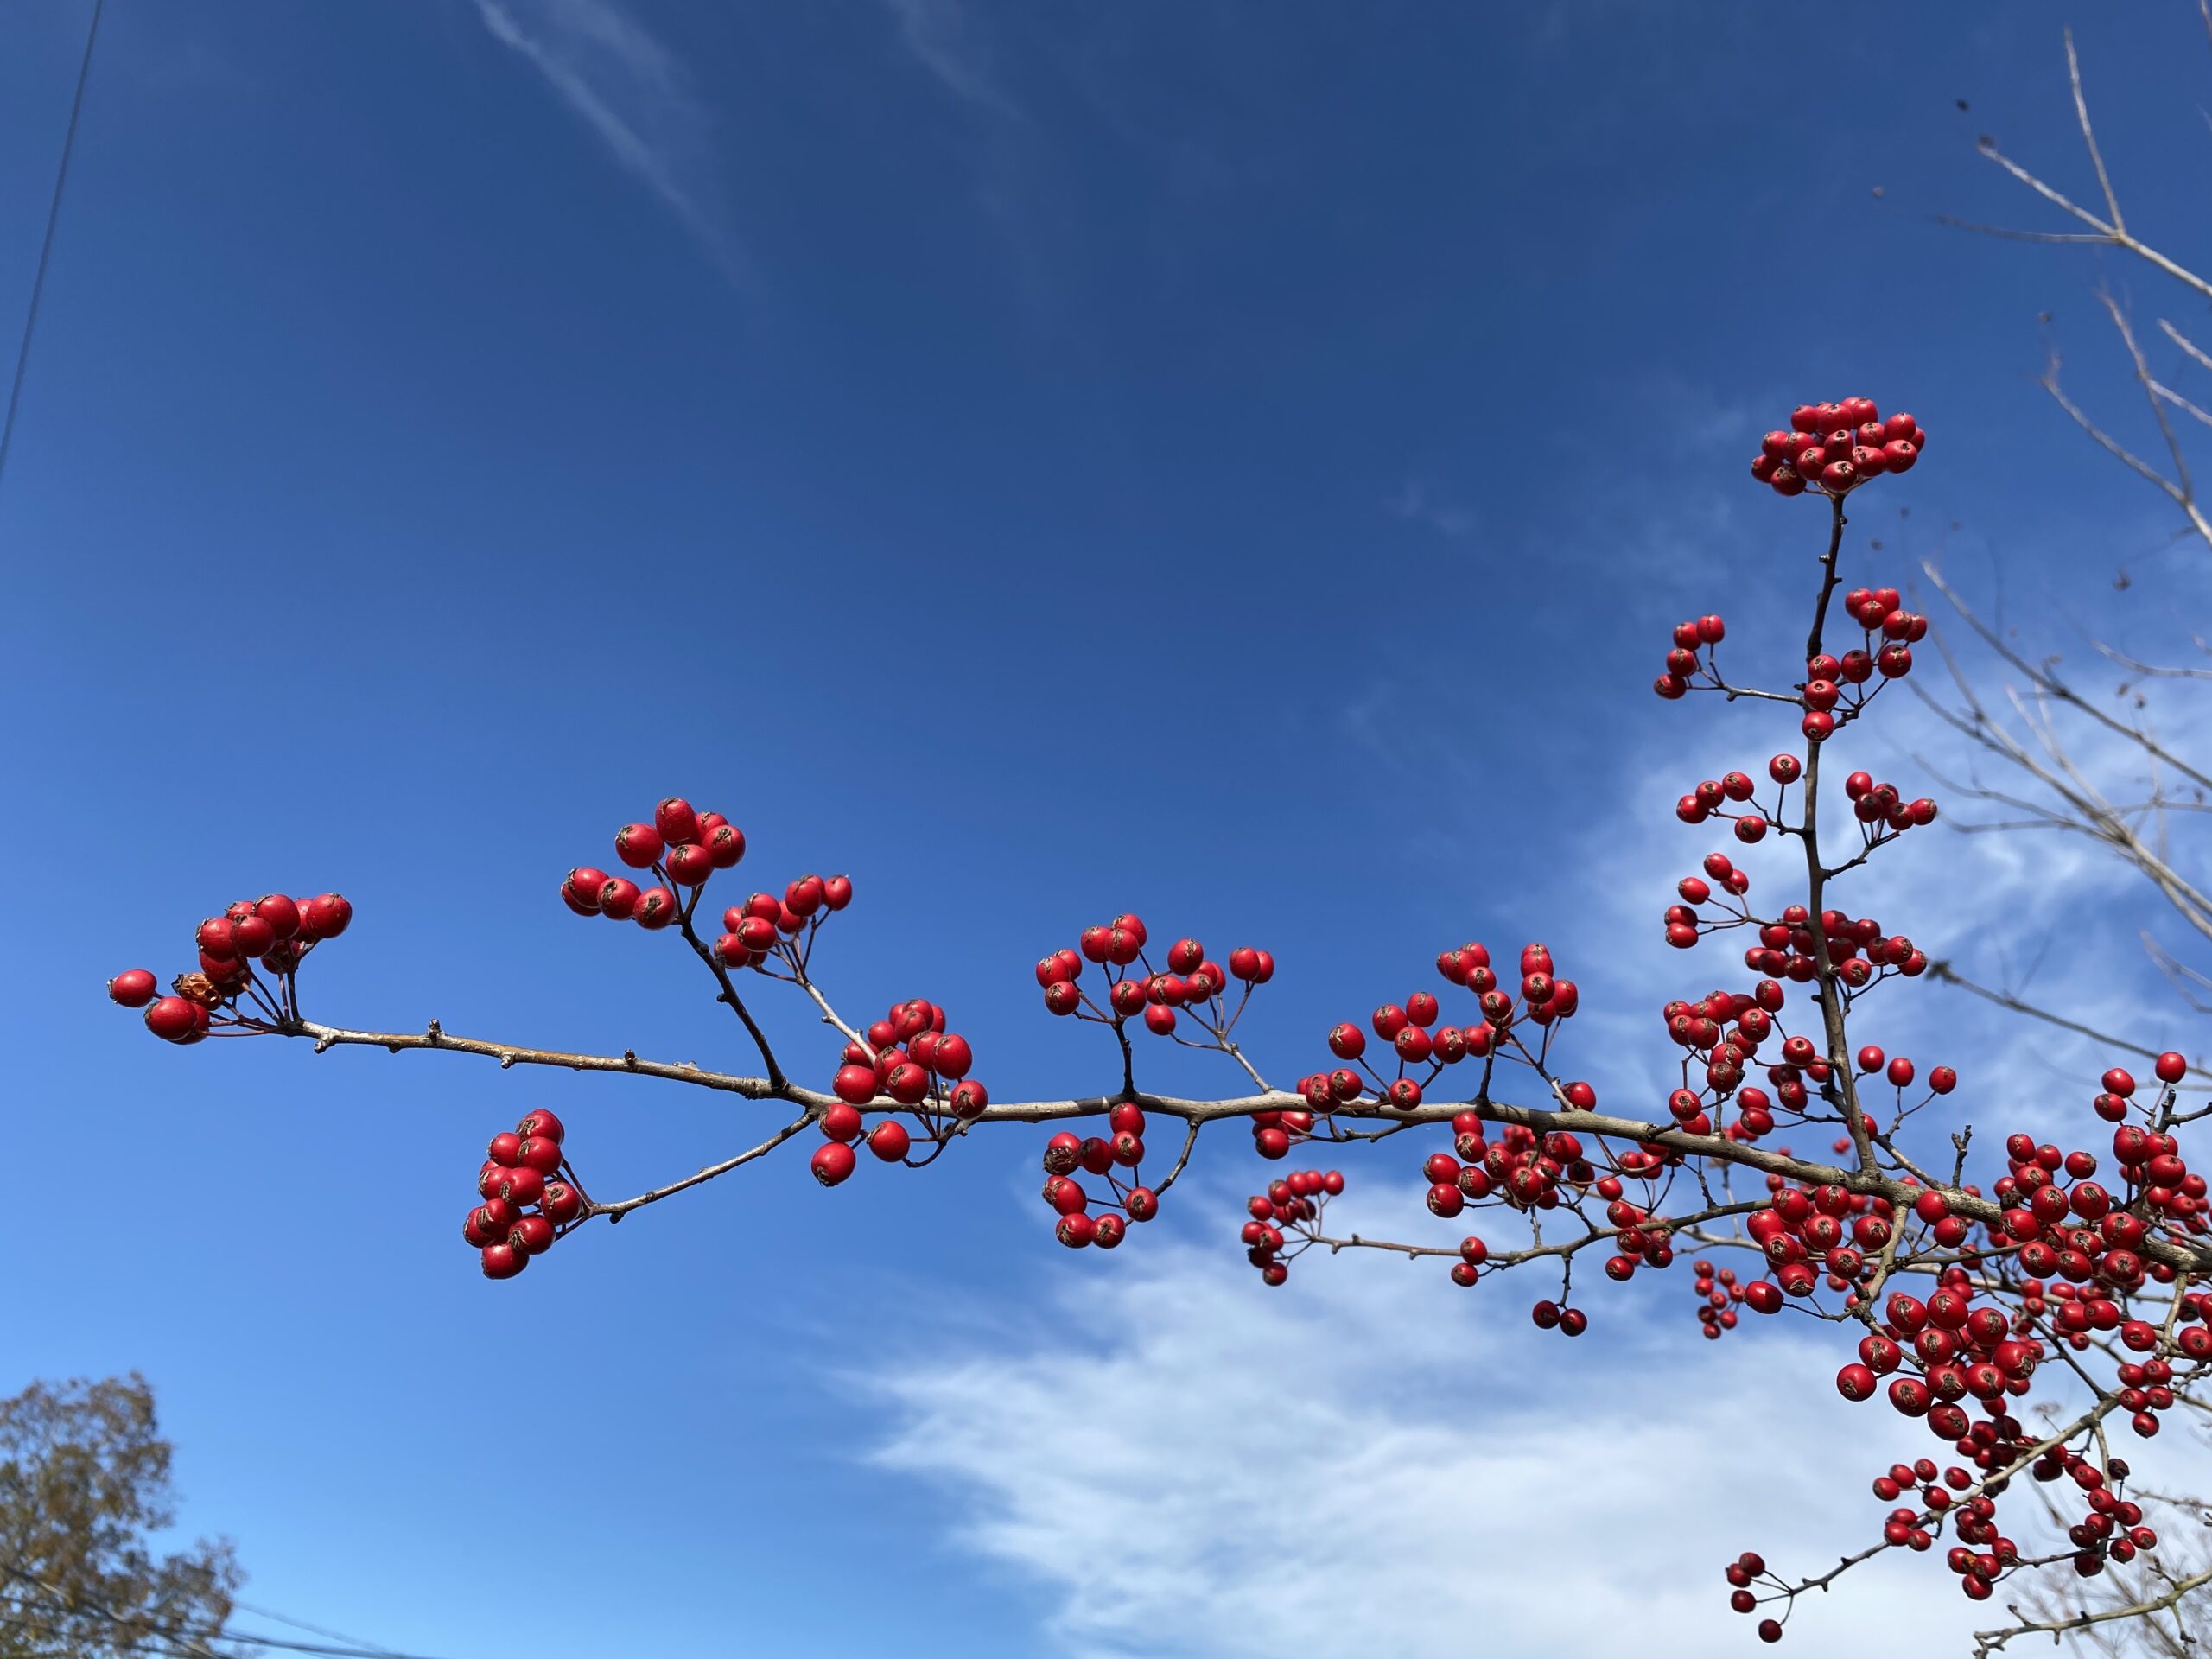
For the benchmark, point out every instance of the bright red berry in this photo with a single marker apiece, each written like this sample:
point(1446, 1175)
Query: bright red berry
point(134, 987)
point(639, 845)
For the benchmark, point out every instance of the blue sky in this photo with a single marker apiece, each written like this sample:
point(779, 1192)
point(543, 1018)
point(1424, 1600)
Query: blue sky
point(1238, 464)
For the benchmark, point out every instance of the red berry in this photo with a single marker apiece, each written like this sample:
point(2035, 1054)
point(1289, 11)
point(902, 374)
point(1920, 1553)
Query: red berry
point(531, 1235)
point(562, 1204)
point(889, 1141)
point(639, 845)
point(174, 1020)
point(833, 1161)
point(538, 1153)
point(282, 914)
point(503, 1261)
point(542, 1121)
point(325, 916)
point(674, 820)
point(520, 1186)
point(690, 864)
point(134, 987)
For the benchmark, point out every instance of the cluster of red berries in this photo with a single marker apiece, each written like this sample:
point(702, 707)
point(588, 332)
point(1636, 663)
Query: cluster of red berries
point(1295, 1201)
point(1834, 447)
point(1116, 1162)
point(1858, 948)
point(1193, 981)
point(1691, 655)
point(1833, 689)
point(1989, 1357)
point(1699, 1027)
point(911, 1058)
point(276, 931)
point(1419, 1044)
point(2112, 1526)
point(1808, 1235)
point(1719, 1293)
point(1523, 1169)
point(1549, 1315)
point(680, 846)
point(752, 931)
point(526, 1202)
point(1724, 1029)
point(1837, 683)
point(1273, 1134)
point(2111, 1102)
point(1746, 1569)
point(1882, 805)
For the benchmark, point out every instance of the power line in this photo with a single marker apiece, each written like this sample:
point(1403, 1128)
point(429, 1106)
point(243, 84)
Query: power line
point(185, 1641)
point(46, 246)
point(362, 1642)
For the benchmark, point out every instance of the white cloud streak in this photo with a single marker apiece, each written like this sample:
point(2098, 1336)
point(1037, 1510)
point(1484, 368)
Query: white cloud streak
point(937, 33)
point(1372, 1462)
point(626, 85)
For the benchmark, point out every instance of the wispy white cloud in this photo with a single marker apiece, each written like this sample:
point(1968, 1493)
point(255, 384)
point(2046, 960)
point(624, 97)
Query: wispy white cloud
point(1372, 1461)
point(624, 84)
point(937, 32)
point(1417, 503)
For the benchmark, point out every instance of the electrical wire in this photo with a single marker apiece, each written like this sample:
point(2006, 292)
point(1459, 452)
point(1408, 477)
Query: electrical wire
point(182, 1640)
point(45, 245)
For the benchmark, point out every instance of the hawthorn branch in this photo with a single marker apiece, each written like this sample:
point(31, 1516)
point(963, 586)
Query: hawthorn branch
point(1989, 1642)
point(1942, 970)
point(706, 953)
point(2048, 683)
point(1669, 1138)
point(615, 1212)
point(1831, 1003)
point(1497, 1260)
